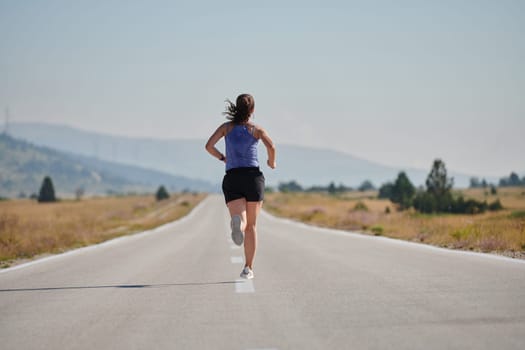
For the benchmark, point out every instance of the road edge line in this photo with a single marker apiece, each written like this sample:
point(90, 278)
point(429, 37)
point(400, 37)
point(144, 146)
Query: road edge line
point(391, 240)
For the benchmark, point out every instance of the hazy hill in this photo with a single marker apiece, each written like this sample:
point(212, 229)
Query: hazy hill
point(308, 166)
point(23, 166)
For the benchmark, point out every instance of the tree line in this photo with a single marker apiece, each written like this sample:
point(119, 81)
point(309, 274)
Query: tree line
point(331, 188)
point(435, 197)
point(513, 180)
point(47, 192)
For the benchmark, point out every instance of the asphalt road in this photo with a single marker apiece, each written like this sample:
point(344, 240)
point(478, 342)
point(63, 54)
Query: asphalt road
point(178, 288)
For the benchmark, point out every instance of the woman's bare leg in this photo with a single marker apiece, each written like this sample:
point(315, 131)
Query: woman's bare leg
point(250, 233)
point(238, 207)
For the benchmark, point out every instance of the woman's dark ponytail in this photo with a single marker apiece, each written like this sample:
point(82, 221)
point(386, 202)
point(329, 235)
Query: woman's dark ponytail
point(242, 110)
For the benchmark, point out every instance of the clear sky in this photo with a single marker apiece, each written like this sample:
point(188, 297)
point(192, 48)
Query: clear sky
point(396, 82)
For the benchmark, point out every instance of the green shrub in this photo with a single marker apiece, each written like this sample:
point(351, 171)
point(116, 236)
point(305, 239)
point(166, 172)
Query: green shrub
point(470, 206)
point(360, 206)
point(461, 233)
point(400, 192)
point(162, 194)
point(496, 205)
point(385, 191)
point(367, 185)
point(520, 214)
point(403, 191)
point(377, 230)
point(424, 202)
point(47, 191)
point(291, 186)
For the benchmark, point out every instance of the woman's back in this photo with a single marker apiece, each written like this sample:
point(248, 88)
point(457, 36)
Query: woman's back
point(241, 147)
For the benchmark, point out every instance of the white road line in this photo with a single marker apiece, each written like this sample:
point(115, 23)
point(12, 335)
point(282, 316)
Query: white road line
point(244, 286)
point(237, 260)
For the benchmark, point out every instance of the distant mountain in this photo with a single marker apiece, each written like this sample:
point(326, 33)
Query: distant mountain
point(308, 166)
point(23, 166)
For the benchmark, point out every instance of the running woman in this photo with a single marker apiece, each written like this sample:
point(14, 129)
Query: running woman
point(243, 184)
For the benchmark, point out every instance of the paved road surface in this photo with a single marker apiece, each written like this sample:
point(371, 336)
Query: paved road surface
point(178, 288)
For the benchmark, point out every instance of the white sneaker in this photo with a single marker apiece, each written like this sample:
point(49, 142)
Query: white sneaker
point(247, 273)
point(237, 234)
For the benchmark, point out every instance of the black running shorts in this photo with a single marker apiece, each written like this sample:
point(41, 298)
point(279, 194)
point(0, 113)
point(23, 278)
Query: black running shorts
point(245, 183)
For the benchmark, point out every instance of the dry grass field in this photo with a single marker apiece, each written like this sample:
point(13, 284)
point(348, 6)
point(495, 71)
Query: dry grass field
point(28, 228)
point(501, 232)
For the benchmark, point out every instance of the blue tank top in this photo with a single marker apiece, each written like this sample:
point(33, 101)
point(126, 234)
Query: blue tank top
point(241, 148)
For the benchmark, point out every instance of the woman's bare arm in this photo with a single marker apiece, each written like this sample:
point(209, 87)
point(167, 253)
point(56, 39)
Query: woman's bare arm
point(214, 138)
point(270, 147)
